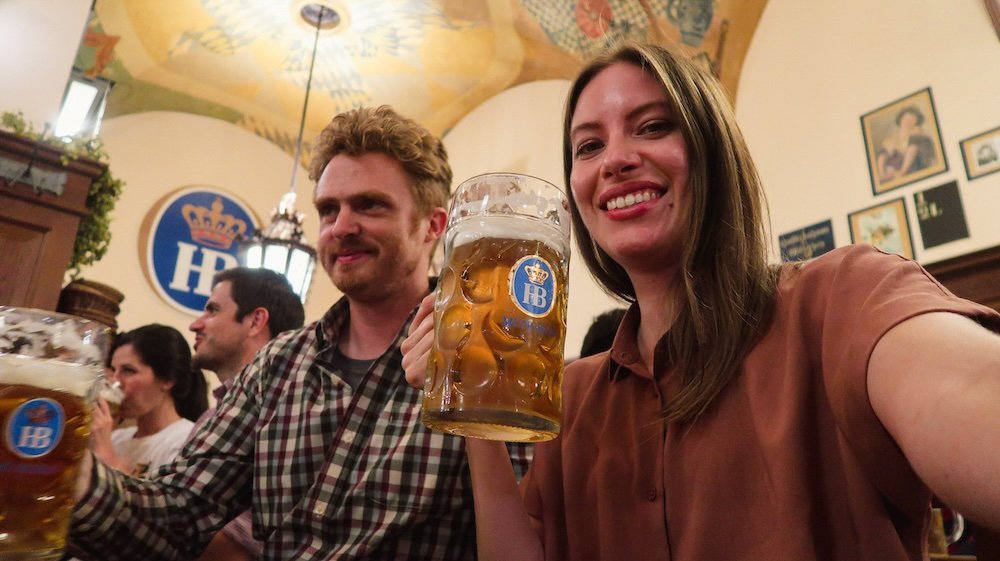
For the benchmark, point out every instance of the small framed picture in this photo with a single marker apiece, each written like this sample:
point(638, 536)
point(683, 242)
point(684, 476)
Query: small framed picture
point(981, 153)
point(903, 142)
point(807, 243)
point(940, 215)
point(884, 226)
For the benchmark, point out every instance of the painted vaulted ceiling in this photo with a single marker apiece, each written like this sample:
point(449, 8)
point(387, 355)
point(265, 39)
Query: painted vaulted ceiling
point(247, 61)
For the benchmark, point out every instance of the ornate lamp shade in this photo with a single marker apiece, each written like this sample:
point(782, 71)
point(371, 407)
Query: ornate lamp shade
point(281, 247)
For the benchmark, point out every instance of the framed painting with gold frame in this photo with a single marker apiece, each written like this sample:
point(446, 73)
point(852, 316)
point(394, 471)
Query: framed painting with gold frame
point(884, 226)
point(981, 153)
point(903, 142)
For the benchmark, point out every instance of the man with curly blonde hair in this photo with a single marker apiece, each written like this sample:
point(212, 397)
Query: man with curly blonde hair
point(320, 435)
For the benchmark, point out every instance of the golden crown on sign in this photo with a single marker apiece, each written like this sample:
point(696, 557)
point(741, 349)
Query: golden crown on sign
point(212, 227)
point(38, 415)
point(536, 274)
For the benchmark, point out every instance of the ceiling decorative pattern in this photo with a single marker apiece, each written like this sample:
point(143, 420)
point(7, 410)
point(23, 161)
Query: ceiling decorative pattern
point(247, 62)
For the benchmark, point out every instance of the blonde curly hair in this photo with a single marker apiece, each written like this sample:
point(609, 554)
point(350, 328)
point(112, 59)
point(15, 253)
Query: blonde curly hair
point(381, 129)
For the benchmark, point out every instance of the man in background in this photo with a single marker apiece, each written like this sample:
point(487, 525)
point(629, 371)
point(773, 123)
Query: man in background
point(247, 308)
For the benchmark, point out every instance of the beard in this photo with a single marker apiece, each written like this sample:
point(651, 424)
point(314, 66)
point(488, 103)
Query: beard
point(384, 268)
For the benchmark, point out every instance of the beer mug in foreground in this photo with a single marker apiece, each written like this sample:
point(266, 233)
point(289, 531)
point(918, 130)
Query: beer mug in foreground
point(49, 366)
point(495, 370)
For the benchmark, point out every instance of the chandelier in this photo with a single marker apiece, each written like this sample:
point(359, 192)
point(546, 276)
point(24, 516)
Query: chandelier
point(281, 246)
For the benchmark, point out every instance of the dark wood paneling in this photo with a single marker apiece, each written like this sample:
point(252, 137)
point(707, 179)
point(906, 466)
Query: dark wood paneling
point(37, 230)
point(975, 276)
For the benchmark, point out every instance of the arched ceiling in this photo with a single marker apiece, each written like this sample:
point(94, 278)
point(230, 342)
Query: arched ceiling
point(247, 61)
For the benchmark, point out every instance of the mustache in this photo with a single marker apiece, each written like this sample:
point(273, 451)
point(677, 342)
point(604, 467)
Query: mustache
point(350, 245)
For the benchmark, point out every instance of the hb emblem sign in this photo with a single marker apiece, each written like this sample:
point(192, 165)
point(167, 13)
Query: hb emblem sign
point(190, 235)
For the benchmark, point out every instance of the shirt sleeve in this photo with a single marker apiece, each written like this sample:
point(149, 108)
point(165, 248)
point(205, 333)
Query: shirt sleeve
point(175, 514)
point(240, 530)
point(865, 295)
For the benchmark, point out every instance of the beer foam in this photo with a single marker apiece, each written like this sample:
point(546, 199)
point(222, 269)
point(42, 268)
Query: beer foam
point(511, 228)
point(47, 374)
point(40, 334)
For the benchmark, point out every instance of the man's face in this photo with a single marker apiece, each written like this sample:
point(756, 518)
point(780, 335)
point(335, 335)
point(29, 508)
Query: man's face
point(219, 338)
point(371, 241)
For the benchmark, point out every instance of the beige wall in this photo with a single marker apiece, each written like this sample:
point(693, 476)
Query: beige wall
point(157, 153)
point(814, 68)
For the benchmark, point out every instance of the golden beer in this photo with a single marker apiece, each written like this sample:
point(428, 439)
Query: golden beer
point(45, 419)
point(496, 365)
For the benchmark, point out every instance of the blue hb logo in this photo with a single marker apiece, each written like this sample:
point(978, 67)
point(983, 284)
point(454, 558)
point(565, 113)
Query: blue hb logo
point(533, 286)
point(194, 234)
point(35, 428)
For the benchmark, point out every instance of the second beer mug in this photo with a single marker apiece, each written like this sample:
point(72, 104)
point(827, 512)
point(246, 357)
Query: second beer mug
point(495, 370)
point(49, 368)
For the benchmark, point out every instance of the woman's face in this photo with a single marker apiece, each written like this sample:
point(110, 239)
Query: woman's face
point(630, 168)
point(144, 392)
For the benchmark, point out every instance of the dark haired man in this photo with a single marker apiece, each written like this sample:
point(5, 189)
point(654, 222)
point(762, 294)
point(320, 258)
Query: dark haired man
point(247, 308)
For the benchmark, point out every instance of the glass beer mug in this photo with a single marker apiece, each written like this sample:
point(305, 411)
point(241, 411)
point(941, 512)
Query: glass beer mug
point(495, 369)
point(49, 368)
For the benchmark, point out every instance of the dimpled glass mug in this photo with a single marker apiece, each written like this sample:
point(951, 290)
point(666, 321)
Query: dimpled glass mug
point(50, 365)
point(495, 369)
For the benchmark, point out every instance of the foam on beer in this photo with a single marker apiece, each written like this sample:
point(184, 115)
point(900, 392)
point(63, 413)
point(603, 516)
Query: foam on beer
point(48, 374)
point(511, 228)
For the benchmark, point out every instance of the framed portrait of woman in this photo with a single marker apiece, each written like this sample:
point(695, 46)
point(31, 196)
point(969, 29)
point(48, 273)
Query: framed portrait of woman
point(903, 142)
point(884, 226)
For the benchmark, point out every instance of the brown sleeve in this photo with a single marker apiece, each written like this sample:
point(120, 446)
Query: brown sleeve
point(869, 292)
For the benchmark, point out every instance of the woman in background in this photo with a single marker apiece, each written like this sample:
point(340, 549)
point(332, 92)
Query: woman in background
point(163, 394)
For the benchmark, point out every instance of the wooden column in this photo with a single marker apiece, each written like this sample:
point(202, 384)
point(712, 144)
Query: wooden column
point(40, 210)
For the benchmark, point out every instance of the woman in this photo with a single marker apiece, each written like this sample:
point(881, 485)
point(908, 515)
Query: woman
point(908, 149)
point(163, 393)
point(744, 411)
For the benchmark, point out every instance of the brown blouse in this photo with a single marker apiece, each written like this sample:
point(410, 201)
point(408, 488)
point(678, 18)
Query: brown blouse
point(790, 463)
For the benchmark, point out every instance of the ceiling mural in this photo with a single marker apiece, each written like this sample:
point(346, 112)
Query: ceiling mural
point(247, 62)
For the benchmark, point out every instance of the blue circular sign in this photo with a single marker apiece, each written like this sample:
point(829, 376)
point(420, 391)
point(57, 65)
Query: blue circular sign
point(35, 428)
point(532, 286)
point(193, 234)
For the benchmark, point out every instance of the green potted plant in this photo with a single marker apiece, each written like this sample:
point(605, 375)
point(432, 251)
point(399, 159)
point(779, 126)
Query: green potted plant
point(83, 297)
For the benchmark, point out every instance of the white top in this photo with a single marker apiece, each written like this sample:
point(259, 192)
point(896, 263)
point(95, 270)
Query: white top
point(150, 452)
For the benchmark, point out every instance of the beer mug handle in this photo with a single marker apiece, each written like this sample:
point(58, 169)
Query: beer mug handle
point(957, 528)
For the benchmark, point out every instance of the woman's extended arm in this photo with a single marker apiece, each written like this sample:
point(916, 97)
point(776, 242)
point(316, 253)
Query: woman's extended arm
point(504, 530)
point(934, 382)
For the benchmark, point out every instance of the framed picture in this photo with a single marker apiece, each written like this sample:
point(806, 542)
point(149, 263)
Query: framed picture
point(807, 243)
point(940, 215)
point(981, 153)
point(884, 226)
point(903, 142)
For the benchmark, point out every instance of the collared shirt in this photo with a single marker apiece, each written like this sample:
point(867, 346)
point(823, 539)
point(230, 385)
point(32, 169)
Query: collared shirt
point(789, 462)
point(330, 473)
point(239, 529)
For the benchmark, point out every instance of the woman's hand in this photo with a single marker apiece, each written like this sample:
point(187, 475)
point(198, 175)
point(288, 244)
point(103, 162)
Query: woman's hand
point(101, 425)
point(417, 345)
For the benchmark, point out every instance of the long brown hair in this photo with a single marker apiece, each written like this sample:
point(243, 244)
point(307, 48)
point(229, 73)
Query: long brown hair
point(728, 285)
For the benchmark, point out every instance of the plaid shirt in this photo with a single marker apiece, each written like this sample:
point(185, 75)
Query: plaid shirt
point(329, 473)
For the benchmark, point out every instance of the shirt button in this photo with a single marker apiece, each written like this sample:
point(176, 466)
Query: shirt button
point(349, 437)
point(651, 494)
